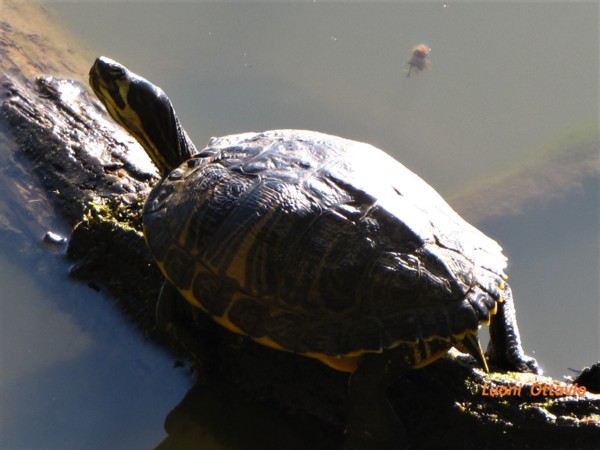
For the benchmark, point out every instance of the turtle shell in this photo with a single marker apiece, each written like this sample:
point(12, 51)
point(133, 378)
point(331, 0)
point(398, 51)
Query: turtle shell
point(320, 245)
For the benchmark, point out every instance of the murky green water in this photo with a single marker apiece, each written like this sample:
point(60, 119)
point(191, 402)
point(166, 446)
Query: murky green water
point(507, 83)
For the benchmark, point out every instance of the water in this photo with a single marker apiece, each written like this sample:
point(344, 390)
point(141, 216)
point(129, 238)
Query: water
point(74, 372)
point(509, 86)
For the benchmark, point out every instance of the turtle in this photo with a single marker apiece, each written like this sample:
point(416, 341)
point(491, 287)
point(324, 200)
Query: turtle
point(320, 246)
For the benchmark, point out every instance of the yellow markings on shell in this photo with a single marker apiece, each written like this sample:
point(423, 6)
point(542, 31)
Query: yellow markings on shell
point(502, 287)
point(224, 320)
point(343, 363)
point(493, 312)
point(422, 360)
point(422, 350)
point(183, 234)
point(189, 296)
point(340, 363)
point(431, 357)
point(237, 270)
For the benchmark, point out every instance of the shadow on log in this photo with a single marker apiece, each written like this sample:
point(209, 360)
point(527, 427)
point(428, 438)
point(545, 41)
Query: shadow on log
point(98, 180)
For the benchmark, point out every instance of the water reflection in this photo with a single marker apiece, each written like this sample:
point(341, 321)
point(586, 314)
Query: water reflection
point(24, 354)
point(73, 372)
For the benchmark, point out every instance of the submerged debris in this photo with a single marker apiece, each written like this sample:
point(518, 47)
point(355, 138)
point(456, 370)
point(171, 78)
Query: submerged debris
point(418, 59)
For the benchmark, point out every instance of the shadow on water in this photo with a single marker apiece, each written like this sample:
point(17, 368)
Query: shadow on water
point(217, 417)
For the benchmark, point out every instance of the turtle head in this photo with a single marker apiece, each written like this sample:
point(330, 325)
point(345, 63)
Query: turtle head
point(144, 111)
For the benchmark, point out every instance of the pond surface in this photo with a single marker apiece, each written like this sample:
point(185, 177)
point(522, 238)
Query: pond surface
point(510, 87)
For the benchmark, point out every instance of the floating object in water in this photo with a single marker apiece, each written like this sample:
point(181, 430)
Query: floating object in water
point(418, 59)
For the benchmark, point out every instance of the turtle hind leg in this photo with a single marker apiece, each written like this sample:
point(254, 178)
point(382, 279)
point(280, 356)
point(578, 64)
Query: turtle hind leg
point(504, 349)
point(372, 422)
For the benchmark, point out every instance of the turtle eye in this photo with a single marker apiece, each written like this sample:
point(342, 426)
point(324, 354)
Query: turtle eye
point(116, 72)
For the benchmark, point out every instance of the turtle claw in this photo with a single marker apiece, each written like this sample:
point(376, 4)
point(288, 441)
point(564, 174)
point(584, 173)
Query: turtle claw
point(516, 361)
point(526, 364)
point(531, 365)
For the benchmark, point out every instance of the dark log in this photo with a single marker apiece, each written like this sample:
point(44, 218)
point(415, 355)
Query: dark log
point(87, 166)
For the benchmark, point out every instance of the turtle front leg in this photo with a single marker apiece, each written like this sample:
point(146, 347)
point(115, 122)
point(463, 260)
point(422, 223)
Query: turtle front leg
point(505, 349)
point(372, 422)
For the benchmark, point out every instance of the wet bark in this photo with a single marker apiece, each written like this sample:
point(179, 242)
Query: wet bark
point(88, 168)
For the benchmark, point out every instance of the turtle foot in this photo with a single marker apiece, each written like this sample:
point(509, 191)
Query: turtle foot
point(515, 361)
point(505, 349)
point(528, 364)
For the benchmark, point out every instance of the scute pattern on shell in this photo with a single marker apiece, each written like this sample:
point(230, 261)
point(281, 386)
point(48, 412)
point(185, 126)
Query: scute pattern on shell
point(322, 244)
